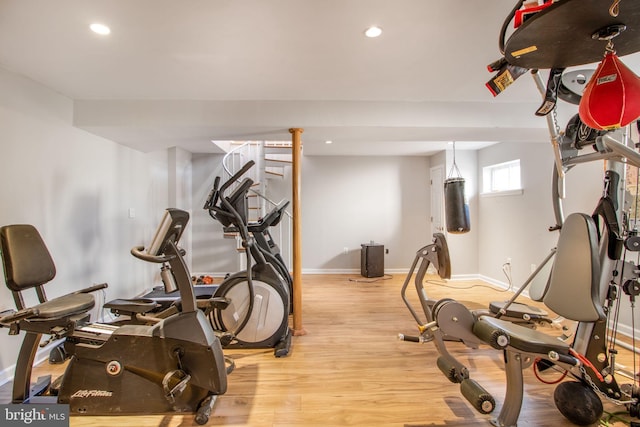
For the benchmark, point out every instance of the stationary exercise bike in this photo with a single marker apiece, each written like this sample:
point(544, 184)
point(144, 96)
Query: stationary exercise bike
point(175, 364)
point(259, 297)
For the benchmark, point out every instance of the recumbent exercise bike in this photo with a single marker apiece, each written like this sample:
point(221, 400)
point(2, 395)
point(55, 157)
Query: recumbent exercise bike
point(175, 364)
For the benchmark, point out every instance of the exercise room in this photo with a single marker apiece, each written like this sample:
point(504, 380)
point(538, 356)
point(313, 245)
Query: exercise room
point(319, 213)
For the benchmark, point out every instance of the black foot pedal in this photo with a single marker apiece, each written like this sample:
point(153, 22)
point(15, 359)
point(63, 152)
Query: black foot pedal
point(57, 355)
point(225, 339)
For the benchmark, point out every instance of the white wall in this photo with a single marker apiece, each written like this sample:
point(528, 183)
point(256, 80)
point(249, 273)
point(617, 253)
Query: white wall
point(180, 192)
point(212, 253)
point(516, 226)
point(77, 189)
point(347, 201)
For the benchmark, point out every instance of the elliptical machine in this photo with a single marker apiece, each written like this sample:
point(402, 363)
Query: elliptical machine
point(257, 315)
point(173, 365)
point(261, 232)
point(249, 309)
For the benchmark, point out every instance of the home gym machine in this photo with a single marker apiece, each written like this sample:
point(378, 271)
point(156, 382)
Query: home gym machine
point(259, 297)
point(175, 364)
point(592, 270)
point(573, 291)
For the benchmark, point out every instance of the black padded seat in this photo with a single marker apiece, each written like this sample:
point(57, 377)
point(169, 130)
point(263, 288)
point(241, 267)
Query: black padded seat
point(64, 306)
point(139, 305)
point(521, 338)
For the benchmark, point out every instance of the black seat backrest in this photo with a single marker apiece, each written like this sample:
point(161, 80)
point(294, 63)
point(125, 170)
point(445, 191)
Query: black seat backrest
point(26, 260)
point(574, 285)
point(28, 264)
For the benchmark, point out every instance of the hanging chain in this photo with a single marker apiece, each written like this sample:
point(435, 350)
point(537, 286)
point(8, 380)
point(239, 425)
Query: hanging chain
point(454, 155)
point(454, 165)
point(554, 113)
point(600, 393)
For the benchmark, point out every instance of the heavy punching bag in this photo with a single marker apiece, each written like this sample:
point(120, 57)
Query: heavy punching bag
point(456, 206)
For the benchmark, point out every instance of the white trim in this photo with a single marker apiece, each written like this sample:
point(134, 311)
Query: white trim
point(517, 192)
point(496, 283)
point(512, 180)
point(465, 277)
point(625, 330)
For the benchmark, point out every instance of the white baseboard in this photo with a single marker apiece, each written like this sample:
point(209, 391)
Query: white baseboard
point(625, 330)
point(496, 283)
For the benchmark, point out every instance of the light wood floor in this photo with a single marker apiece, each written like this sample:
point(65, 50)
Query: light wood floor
point(350, 369)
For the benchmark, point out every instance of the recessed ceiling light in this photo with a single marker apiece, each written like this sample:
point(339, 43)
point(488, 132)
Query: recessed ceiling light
point(100, 29)
point(373, 31)
point(328, 142)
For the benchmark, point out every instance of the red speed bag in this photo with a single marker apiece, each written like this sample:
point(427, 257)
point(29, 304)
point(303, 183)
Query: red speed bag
point(611, 99)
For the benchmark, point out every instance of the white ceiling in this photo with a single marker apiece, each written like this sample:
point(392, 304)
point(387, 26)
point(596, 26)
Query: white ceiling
point(185, 72)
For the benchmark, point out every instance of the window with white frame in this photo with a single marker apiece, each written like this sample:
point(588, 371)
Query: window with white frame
point(502, 177)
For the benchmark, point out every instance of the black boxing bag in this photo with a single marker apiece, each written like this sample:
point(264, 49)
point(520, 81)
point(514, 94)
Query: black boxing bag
point(456, 207)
